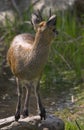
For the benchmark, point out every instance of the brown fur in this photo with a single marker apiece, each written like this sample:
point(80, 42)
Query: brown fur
point(27, 56)
point(27, 62)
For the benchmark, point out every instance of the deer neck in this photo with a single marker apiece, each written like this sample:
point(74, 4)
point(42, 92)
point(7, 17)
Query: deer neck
point(41, 41)
point(40, 49)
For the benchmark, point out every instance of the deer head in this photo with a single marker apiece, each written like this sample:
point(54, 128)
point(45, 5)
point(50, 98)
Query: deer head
point(49, 26)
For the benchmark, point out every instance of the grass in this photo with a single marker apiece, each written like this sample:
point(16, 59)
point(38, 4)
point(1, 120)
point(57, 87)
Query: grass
point(74, 126)
point(61, 91)
point(67, 50)
point(65, 68)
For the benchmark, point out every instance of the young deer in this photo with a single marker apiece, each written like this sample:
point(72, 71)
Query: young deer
point(27, 56)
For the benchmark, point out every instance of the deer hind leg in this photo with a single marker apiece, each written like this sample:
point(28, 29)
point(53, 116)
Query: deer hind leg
point(26, 103)
point(39, 103)
point(18, 107)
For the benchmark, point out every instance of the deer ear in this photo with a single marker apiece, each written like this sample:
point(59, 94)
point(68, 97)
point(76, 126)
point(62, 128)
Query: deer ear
point(35, 20)
point(52, 20)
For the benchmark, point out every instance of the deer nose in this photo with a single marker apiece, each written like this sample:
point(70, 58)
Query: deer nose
point(56, 32)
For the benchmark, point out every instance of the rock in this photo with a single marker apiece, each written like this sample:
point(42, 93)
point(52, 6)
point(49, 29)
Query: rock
point(32, 123)
point(52, 123)
point(11, 7)
point(9, 14)
point(54, 4)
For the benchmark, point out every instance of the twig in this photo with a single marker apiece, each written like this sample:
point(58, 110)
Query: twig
point(62, 57)
point(16, 7)
point(71, 39)
point(77, 125)
point(2, 38)
point(32, 5)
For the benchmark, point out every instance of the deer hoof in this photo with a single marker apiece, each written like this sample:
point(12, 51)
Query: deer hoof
point(43, 114)
point(17, 116)
point(25, 113)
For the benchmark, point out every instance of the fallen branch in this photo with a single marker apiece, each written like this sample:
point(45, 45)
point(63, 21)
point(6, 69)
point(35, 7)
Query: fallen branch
point(32, 123)
point(6, 121)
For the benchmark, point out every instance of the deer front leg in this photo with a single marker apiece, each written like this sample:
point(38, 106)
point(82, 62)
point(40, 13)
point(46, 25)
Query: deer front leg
point(18, 107)
point(26, 104)
point(39, 103)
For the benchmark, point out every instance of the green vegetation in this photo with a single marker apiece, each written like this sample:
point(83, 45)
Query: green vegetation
point(68, 49)
point(74, 126)
point(64, 71)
